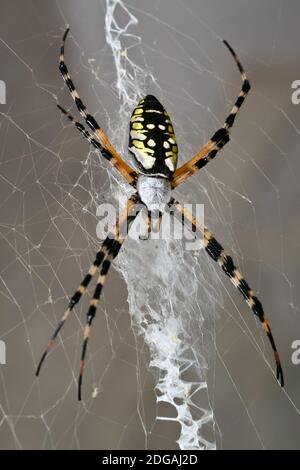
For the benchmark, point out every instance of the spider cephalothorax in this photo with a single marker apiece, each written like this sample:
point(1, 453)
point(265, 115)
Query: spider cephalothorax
point(153, 144)
point(154, 191)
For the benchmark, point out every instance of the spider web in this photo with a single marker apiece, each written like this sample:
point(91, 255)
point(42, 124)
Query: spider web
point(176, 359)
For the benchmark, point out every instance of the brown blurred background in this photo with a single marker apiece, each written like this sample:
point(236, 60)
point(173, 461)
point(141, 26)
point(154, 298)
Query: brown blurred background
point(49, 187)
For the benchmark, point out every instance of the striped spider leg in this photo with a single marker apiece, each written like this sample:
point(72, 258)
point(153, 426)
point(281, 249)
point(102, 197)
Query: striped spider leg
point(153, 222)
point(119, 238)
point(219, 139)
point(109, 152)
point(80, 127)
point(108, 251)
point(218, 254)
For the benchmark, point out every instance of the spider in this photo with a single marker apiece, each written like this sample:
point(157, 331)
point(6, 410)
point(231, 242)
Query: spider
point(152, 143)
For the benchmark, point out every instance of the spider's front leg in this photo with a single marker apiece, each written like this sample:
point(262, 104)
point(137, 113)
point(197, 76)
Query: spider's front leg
point(217, 253)
point(219, 139)
point(106, 148)
point(119, 238)
point(108, 251)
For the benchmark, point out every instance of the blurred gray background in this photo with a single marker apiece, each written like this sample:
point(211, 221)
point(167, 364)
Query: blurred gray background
point(47, 220)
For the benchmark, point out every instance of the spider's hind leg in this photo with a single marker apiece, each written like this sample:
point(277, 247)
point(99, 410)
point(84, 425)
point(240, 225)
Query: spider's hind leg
point(80, 127)
point(220, 138)
point(107, 148)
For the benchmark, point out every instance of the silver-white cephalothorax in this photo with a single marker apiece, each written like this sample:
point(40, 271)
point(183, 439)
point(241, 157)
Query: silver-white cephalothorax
point(154, 191)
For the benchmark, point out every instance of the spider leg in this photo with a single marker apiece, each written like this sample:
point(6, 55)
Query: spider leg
point(127, 172)
point(85, 133)
point(220, 138)
point(159, 219)
point(217, 253)
point(150, 228)
point(119, 239)
point(107, 247)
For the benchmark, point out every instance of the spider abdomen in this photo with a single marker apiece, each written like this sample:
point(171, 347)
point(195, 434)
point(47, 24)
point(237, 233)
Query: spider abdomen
point(152, 139)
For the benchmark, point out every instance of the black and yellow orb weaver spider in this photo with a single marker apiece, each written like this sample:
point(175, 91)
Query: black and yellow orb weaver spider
point(152, 143)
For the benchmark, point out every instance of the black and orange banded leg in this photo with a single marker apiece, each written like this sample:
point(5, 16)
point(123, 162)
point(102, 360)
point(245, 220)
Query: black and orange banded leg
point(220, 138)
point(80, 127)
point(127, 172)
point(152, 216)
point(113, 252)
point(217, 253)
point(107, 246)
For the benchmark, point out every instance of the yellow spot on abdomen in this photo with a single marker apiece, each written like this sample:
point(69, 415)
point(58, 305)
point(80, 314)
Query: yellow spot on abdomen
point(140, 135)
point(153, 111)
point(138, 144)
point(136, 118)
point(137, 125)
